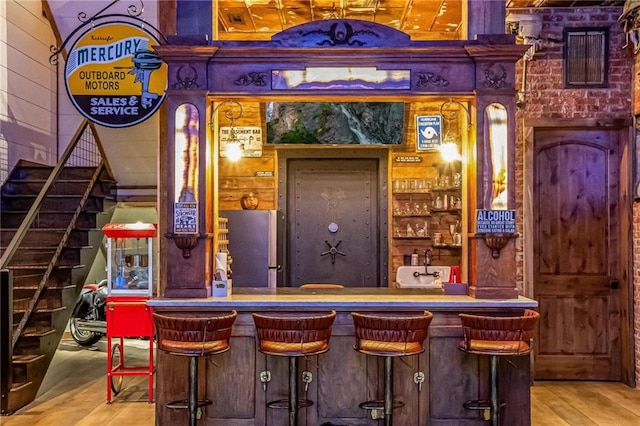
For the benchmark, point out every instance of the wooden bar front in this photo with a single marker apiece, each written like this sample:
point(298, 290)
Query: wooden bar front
point(342, 378)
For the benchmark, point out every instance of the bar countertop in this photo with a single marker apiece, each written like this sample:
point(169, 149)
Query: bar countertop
point(288, 298)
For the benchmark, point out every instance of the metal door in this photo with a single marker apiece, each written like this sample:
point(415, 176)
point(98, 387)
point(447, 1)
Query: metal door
point(332, 213)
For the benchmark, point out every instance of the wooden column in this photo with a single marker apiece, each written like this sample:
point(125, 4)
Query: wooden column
point(187, 256)
point(492, 270)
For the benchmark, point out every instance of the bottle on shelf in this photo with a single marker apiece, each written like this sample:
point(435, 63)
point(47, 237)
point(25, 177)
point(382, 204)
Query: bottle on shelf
point(414, 258)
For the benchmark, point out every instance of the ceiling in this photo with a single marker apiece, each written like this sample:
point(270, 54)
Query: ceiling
point(421, 19)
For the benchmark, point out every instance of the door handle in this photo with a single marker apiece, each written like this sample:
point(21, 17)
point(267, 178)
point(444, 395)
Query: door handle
point(614, 284)
point(333, 250)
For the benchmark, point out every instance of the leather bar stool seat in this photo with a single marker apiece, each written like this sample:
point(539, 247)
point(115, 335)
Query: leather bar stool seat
point(293, 335)
point(496, 337)
point(193, 335)
point(389, 336)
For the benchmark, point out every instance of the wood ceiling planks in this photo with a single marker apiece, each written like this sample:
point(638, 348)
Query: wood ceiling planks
point(421, 19)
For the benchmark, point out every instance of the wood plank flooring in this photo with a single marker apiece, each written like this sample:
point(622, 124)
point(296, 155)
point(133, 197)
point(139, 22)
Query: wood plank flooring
point(74, 393)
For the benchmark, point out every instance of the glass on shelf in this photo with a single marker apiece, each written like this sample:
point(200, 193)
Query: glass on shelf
point(410, 231)
point(457, 180)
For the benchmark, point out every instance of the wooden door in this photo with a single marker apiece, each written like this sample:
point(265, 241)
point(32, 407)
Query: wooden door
point(576, 247)
point(332, 215)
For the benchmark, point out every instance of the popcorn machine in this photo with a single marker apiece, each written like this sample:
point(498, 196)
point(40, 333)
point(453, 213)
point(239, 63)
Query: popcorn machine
point(129, 286)
point(130, 258)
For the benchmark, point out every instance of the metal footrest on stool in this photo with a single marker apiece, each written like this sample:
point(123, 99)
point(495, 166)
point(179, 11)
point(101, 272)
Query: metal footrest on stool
point(183, 404)
point(284, 403)
point(379, 405)
point(481, 404)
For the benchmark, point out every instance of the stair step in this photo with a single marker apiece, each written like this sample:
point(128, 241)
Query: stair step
point(38, 267)
point(15, 387)
point(21, 202)
point(46, 237)
point(41, 171)
point(43, 256)
point(41, 310)
point(58, 220)
point(64, 187)
point(40, 333)
point(26, 359)
point(32, 288)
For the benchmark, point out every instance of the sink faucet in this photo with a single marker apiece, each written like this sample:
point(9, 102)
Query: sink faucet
point(427, 262)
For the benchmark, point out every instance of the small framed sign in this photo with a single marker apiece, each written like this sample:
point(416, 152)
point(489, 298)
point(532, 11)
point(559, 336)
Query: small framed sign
point(250, 137)
point(185, 218)
point(428, 132)
point(495, 221)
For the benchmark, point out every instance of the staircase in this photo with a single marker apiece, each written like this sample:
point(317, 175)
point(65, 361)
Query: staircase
point(50, 265)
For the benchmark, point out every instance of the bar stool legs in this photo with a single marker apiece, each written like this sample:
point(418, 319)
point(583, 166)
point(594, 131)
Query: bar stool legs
point(389, 336)
point(293, 391)
point(495, 337)
point(193, 391)
point(388, 391)
point(193, 335)
point(293, 335)
point(491, 407)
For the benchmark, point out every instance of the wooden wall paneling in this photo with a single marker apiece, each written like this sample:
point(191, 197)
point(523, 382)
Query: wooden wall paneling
point(237, 391)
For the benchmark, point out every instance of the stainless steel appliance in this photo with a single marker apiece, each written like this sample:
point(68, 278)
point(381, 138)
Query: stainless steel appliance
point(256, 247)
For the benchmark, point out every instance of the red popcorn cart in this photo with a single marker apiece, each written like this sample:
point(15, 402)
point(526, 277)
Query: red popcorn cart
point(129, 286)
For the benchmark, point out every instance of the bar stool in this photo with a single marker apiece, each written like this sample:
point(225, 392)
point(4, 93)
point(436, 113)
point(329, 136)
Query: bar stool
point(194, 335)
point(293, 335)
point(389, 336)
point(495, 337)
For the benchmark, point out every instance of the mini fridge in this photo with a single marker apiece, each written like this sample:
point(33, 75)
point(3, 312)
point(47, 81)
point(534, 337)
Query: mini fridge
point(256, 247)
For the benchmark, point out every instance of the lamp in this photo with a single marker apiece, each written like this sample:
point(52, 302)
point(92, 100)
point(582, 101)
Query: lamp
point(233, 146)
point(449, 147)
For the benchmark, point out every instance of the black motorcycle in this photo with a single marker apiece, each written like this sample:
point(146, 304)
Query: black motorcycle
point(88, 321)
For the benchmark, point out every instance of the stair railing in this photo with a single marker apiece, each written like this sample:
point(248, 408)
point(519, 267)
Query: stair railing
point(6, 326)
point(75, 153)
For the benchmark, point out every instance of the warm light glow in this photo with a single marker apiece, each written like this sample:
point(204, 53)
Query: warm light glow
point(498, 141)
point(234, 151)
point(450, 152)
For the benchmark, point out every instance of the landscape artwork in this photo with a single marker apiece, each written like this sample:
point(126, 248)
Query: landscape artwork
point(345, 123)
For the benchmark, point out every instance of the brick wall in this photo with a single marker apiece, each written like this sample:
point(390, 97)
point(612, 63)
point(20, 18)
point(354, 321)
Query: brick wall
point(546, 98)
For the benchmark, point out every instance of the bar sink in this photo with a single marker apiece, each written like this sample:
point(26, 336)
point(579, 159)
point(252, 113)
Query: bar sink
point(413, 276)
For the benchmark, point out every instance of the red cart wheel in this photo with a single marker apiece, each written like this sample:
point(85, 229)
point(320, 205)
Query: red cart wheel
point(116, 359)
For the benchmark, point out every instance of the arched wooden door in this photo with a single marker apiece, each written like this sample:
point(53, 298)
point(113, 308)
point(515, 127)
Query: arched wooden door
point(577, 241)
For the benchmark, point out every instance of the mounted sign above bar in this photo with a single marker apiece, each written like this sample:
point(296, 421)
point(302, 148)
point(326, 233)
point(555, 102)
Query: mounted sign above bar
point(428, 132)
point(249, 138)
point(496, 221)
point(113, 77)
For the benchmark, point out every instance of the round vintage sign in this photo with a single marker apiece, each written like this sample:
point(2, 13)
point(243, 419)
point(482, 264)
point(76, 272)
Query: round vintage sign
point(113, 76)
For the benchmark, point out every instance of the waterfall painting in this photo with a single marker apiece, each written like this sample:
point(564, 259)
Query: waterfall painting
point(344, 123)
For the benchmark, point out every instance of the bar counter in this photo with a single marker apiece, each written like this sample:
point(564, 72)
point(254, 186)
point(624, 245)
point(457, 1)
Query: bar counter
point(342, 377)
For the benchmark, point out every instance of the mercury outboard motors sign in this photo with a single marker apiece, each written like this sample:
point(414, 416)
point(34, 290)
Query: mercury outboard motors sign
point(113, 76)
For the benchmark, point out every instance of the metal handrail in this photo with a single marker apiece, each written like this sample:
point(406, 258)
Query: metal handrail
point(35, 208)
point(63, 241)
point(69, 156)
